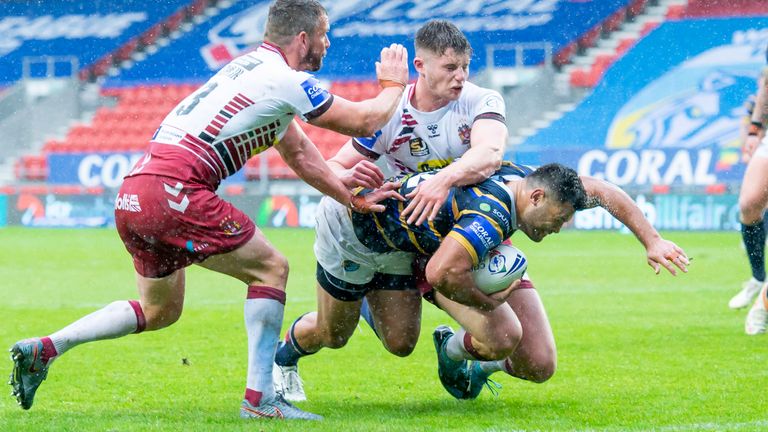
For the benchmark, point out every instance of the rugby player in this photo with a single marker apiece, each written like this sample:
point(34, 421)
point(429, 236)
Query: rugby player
point(371, 256)
point(169, 216)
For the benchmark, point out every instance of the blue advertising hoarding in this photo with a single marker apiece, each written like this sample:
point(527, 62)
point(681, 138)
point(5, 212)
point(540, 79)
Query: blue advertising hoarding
point(99, 169)
point(669, 112)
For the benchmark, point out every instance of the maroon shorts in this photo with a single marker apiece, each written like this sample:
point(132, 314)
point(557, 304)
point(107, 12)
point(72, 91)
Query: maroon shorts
point(167, 225)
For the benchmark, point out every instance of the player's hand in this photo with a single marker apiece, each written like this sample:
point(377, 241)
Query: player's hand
point(669, 255)
point(393, 67)
point(749, 147)
point(502, 296)
point(364, 174)
point(426, 200)
point(370, 202)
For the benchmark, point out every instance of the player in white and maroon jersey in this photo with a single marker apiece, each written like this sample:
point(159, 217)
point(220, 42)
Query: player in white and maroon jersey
point(169, 215)
point(417, 141)
point(443, 121)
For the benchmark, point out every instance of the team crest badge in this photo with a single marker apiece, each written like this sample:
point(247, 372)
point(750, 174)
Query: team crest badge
point(464, 133)
point(418, 147)
point(229, 226)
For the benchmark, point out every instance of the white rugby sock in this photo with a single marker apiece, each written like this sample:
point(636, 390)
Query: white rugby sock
point(490, 367)
point(263, 320)
point(455, 347)
point(117, 319)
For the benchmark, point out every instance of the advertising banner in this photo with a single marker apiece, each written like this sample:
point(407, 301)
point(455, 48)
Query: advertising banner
point(668, 112)
point(100, 169)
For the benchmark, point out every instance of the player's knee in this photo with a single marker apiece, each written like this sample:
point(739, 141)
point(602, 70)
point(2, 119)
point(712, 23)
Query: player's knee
point(541, 372)
point(542, 365)
point(751, 210)
point(276, 268)
point(160, 316)
point(400, 347)
point(334, 340)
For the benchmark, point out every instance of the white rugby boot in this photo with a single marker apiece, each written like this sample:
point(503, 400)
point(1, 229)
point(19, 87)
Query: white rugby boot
point(288, 383)
point(748, 292)
point(758, 315)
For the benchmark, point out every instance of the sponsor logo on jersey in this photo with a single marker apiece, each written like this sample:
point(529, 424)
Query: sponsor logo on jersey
point(418, 147)
point(433, 133)
point(493, 102)
point(502, 217)
point(465, 133)
point(128, 202)
point(481, 233)
point(314, 91)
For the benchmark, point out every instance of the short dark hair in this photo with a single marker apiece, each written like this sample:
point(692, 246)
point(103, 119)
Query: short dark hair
point(563, 182)
point(439, 35)
point(287, 18)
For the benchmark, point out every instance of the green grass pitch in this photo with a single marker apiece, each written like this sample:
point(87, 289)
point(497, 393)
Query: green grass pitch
point(636, 351)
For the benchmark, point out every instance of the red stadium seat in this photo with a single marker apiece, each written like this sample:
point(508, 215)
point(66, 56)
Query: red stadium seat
point(126, 50)
point(564, 55)
point(174, 21)
point(624, 45)
point(676, 12)
point(150, 36)
point(589, 38)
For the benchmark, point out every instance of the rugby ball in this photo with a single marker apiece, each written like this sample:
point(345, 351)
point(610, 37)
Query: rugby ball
point(496, 271)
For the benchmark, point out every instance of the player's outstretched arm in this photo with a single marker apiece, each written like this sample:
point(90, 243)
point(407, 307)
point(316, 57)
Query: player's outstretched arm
point(305, 159)
point(354, 169)
point(366, 117)
point(660, 252)
point(448, 271)
point(481, 160)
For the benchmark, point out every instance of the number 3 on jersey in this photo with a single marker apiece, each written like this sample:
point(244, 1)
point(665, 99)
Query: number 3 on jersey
point(199, 95)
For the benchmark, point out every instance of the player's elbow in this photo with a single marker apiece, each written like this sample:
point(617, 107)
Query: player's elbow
point(444, 278)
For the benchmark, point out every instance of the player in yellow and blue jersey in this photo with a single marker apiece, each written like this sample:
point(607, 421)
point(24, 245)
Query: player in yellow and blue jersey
point(371, 257)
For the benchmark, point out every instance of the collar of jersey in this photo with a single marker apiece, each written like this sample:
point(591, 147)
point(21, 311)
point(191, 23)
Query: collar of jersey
point(275, 49)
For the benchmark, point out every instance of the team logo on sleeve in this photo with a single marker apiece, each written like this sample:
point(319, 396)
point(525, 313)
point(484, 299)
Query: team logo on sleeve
point(418, 147)
point(465, 133)
point(314, 91)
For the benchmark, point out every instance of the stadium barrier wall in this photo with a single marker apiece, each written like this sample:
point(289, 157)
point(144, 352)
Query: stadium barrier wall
point(94, 208)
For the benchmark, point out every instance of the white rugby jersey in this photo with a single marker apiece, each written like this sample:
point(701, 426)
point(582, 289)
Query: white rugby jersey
point(416, 141)
point(241, 111)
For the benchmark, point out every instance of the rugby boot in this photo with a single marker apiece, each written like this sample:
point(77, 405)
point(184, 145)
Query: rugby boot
point(748, 292)
point(478, 379)
point(29, 370)
point(758, 315)
point(454, 375)
point(276, 408)
point(288, 382)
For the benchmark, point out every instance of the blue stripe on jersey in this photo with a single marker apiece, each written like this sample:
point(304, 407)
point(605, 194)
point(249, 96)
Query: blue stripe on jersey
point(479, 232)
point(368, 142)
point(315, 92)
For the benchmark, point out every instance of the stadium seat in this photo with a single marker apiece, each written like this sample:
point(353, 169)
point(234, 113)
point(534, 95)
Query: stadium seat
point(564, 55)
point(676, 12)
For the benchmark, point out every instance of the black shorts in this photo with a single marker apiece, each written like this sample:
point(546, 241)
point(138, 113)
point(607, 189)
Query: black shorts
point(345, 291)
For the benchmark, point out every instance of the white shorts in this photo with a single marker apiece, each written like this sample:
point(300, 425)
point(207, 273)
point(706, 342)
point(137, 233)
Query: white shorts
point(342, 255)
